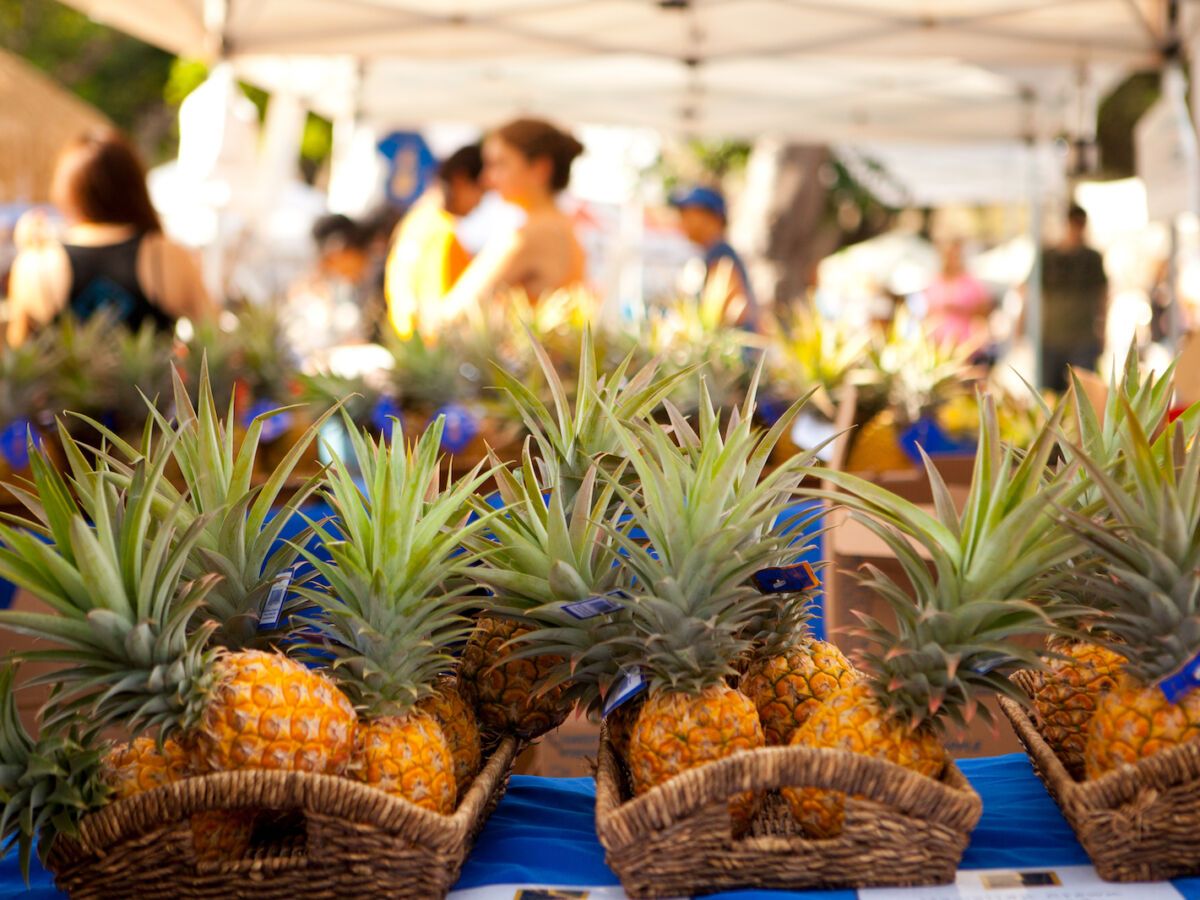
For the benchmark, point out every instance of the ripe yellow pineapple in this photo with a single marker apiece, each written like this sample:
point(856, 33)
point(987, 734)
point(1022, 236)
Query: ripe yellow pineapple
point(392, 610)
point(1150, 590)
point(876, 446)
point(712, 520)
point(142, 765)
point(114, 558)
point(787, 686)
point(504, 687)
point(955, 635)
point(1067, 694)
point(460, 728)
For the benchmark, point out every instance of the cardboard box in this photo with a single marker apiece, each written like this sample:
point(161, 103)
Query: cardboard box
point(29, 698)
point(567, 752)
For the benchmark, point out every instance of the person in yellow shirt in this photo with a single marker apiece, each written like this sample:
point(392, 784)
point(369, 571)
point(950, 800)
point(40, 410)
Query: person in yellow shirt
point(427, 257)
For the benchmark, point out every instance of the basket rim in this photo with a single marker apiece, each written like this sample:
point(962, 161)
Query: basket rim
point(954, 802)
point(1162, 770)
point(332, 795)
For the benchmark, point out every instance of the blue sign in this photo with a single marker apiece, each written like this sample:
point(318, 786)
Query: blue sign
point(460, 428)
point(385, 415)
point(928, 434)
point(14, 444)
point(274, 427)
point(411, 166)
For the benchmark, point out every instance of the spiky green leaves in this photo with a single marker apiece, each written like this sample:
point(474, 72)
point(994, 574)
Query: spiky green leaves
point(111, 564)
point(1147, 534)
point(712, 519)
point(46, 786)
point(578, 431)
point(969, 602)
point(393, 608)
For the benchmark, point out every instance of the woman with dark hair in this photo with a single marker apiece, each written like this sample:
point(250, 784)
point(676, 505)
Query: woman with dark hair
point(528, 162)
point(113, 257)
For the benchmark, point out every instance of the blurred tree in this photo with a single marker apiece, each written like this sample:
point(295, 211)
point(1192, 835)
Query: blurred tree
point(1117, 116)
point(117, 74)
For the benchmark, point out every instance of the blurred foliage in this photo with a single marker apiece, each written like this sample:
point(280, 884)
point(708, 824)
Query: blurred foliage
point(698, 161)
point(1118, 115)
point(119, 75)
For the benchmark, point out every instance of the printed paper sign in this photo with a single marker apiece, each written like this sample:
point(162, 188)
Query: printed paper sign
point(597, 605)
point(785, 579)
point(1033, 883)
point(268, 617)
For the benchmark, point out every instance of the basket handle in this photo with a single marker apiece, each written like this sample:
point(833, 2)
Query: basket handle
point(775, 767)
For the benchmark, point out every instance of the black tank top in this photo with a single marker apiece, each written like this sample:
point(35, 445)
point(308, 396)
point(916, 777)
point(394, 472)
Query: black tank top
point(105, 278)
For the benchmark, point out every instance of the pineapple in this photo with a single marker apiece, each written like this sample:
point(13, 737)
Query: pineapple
point(525, 664)
point(111, 564)
point(142, 765)
point(955, 635)
point(1145, 535)
point(25, 375)
point(815, 352)
point(1066, 695)
point(393, 611)
point(711, 518)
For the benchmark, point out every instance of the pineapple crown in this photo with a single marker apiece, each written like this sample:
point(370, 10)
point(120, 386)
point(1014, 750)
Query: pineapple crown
point(574, 435)
point(539, 556)
point(711, 520)
point(394, 604)
point(987, 576)
point(242, 522)
point(112, 567)
point(1132, 395)
point(918, 370)
point(1147, 536)
point(821, 353)
point(46, 785)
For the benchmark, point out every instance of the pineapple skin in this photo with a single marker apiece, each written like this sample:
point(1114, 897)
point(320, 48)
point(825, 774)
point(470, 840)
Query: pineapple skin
point(851, 719)
point(269, 712)
point(407, 756)
point(788, 687)
point(460, 729)
point(675, 732)
point(140, 765)
point(620, 724)
point(503, 690)
point(1067, 696)
point(1133, 721)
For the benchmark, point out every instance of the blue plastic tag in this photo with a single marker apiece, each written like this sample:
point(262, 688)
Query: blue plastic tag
point(460, 428)
point(630, 682)
point(597, 605)
point(786, 579)
point(268, 616)
point(384, 416)
point(14, 443)
point(273, 427)
point(1187, 678)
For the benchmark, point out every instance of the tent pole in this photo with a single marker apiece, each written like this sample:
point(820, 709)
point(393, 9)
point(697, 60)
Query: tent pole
point(1033, 291)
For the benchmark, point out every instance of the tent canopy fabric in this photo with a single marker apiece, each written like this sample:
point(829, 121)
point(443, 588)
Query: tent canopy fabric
point(37, 117)
point(815, 69)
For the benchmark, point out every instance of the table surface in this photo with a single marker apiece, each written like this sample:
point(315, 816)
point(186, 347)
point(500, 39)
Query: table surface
point(543, 833)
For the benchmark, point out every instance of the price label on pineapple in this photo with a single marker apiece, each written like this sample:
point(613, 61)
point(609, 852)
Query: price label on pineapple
point(630, 682)
point(597, 605)
point(786, 579)
point(1187, 678)
point(14, 443)
point(268, 616)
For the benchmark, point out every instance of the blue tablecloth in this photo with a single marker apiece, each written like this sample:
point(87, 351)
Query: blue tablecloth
point(543, 833)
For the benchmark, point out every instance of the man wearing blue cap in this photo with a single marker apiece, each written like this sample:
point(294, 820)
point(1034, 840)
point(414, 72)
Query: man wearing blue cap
point(702, 216)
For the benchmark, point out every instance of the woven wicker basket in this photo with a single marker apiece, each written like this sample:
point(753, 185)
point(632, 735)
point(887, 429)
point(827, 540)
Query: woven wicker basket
point(344, 839)
point(1138, 823)
point(901, 828)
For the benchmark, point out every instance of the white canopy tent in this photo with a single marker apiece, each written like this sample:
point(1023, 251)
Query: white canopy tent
point(819, 69)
